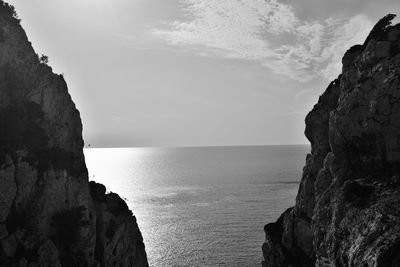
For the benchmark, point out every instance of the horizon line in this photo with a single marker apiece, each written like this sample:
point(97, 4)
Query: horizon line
point(198, 146)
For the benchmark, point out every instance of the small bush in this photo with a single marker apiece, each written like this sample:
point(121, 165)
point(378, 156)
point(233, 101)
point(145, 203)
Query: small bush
point(44, 59)
point(8, 9)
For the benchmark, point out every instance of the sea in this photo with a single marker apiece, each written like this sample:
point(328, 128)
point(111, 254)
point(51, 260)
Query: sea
point(202, 206)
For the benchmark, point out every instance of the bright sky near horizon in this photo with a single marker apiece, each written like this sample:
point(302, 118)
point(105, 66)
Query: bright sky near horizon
point(197, 72)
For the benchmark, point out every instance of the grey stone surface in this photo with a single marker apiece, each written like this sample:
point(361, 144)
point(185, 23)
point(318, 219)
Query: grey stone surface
point(48, 216)
point(347, 210)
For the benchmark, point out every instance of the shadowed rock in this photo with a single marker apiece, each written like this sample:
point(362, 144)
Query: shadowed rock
point(347, 210)
point(49, 215)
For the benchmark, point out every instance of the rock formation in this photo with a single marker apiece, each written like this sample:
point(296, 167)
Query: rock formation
point(347, 210)
point(49, 213)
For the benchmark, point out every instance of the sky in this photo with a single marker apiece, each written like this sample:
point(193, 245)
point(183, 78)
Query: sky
point(197, 72)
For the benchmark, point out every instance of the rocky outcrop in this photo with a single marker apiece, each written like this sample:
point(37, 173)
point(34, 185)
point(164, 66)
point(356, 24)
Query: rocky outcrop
point(347, 210)
point(49, 214)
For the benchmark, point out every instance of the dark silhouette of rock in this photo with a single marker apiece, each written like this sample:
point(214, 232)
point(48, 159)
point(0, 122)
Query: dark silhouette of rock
point(347, 210)
point(49, 214)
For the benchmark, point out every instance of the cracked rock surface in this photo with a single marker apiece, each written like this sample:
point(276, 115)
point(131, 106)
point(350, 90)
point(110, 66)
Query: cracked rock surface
point(49, 213)
point(347, 210)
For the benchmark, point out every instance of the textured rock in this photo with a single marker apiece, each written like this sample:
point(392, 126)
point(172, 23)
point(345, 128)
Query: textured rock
point(117, 232)
point(347, 210)
point(48, 213)
point(7, 181)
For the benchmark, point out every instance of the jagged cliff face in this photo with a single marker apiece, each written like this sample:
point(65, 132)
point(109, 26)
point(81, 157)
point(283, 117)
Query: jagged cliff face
point(347, 210)
point(49, 214)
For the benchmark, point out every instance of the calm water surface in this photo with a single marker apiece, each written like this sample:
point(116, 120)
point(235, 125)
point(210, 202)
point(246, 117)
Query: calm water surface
point(202, 206)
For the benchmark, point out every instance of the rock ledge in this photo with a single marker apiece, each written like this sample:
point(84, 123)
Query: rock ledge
point(49, 213)
point(347, 210)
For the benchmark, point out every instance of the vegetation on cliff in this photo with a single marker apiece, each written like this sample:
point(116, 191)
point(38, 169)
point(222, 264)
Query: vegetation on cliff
point(347, 210)
point(49, 215)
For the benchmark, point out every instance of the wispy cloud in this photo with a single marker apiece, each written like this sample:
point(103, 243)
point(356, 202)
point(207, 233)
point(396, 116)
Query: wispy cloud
point(249, 29)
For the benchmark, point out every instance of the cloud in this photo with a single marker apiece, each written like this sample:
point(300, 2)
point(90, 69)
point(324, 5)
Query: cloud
point(248, 29)
point(319, 47)
point(230, 25)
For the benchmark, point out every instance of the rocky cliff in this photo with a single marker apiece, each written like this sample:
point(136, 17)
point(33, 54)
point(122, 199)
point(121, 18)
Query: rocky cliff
point(49, 213)
point(347, 210)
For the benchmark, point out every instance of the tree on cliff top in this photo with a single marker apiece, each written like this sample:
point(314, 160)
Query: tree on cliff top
point(6, 8)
